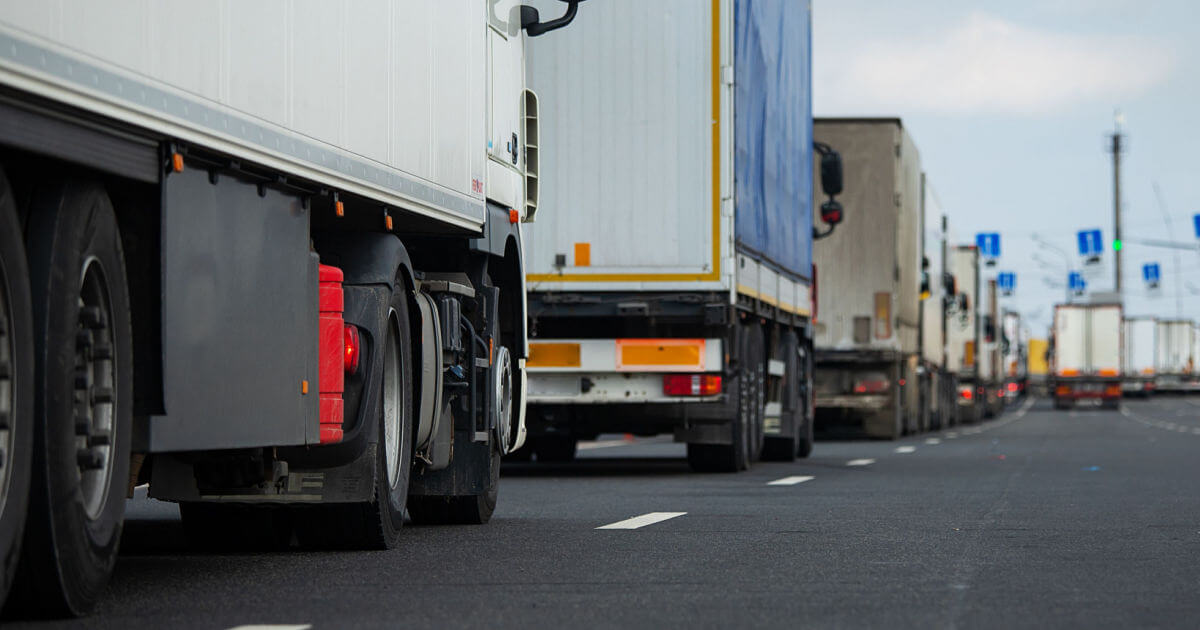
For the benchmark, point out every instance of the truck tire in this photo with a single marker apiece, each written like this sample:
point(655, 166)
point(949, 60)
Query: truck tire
point(83, 336)
point(805, 444)
point(376, 524)
point(555, 448)
point(785, 448)
point(16, 388)
point(737, 455)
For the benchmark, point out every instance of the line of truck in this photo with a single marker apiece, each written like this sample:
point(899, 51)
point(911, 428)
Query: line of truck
point(278, 262)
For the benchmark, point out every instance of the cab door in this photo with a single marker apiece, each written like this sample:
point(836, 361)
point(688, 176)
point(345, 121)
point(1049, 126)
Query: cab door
point(506, 84)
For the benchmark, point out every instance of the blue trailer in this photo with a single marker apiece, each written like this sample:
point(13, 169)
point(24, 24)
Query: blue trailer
point(670, 272)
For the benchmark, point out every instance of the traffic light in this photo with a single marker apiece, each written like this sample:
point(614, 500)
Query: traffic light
point(1116, 245)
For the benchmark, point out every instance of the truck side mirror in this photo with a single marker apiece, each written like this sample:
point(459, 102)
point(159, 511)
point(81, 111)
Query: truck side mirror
point(531, 21)
point(831, 173)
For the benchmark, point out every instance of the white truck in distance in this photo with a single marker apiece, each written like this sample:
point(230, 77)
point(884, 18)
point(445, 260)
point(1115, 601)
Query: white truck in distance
point(1087, 354)
point(1174, 363)
point(271, 266)
point(1138, 364)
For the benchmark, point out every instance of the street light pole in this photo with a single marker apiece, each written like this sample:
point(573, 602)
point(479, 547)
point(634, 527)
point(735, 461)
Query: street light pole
point(1116, 148)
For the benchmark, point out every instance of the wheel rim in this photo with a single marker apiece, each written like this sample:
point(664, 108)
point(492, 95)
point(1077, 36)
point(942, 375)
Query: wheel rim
point(503, 393)
point(95, 393)
point(7, 389)
point(392, 401)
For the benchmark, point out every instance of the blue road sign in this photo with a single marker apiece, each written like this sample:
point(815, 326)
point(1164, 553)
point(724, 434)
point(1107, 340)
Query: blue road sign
point(1006, 281)
point(1076, 282)
point(1196, 222)
point(1090, 243)
point(988, 244)
point(1152, 274)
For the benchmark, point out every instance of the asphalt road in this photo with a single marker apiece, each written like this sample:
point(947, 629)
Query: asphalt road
point(1039, 518)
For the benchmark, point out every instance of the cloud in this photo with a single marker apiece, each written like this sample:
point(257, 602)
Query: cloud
point(985, 64)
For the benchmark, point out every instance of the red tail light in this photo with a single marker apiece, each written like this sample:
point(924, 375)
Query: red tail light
point(1012, 387)
point(691, 384)
point(871, 387)
point(353, 344)
point(1112, 390)
point(966, 393)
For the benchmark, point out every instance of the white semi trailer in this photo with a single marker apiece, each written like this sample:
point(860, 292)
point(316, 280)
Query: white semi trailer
point(1138, 364)
point(671, 287)
point(1174, 360)
point(963, 332)
point(271, 266)
point(1087, 354)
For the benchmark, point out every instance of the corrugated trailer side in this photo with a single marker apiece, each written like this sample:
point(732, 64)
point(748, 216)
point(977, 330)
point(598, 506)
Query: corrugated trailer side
point(1173, 359)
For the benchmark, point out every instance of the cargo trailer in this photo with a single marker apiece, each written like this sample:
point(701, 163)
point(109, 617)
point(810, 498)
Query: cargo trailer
point(868, 335)
point(1138, 363)
point(963, 333)
point(1087, 354)
point(272, 267)
point(1174, 361)
point(1014, 363)
point(1038, 358)
point(939, 384)
point(990, 372)
point(671, 283)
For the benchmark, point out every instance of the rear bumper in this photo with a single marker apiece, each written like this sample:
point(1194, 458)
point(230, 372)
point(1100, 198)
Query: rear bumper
point(861, 402)
point(1082, 389)
point(617, 371)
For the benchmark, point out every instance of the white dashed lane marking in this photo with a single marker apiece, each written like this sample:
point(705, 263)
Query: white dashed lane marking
point(905, 449)
point(932, 441)
point(790, 481)
point(643, 520)
point(860, 462)
point(284, 626)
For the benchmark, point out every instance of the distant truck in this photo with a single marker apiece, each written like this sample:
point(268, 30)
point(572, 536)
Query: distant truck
point(271, 266)
point(963, 332)
point(990, 370)
point(868, 353)
point(1174, 361)
point(1038, 359)
point(939, 384)
point(1087, 354)
point(1138, 364)
point(671, 284)
point(1013, 356)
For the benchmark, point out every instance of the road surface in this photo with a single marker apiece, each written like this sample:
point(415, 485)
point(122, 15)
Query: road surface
point(1039, 518)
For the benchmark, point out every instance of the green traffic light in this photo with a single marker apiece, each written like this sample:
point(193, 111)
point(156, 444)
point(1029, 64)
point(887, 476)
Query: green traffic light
point(1117, 245)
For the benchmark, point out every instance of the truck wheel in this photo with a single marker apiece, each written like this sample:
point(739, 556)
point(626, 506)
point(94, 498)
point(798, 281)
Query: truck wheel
point(785, 448)
point(84, 399)
point(555, 448)
point(805, 446)
point(737, 455)
point(16, 387)
point(375, 524)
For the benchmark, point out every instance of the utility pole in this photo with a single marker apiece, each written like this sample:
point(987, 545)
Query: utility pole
point(1116, 148)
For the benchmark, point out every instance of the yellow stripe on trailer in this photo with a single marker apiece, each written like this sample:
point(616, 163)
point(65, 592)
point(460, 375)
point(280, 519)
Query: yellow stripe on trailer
point(660, 354)
point(553, 355)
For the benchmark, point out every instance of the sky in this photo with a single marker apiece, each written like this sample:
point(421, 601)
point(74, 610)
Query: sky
point(1010, 104)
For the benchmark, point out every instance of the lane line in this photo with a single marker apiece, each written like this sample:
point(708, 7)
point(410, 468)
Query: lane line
point(281, 626)
point(860, 462)
point(905, 449)
point(790, 481)
point(932, 441)
point(643, 520)
point(952, 435)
